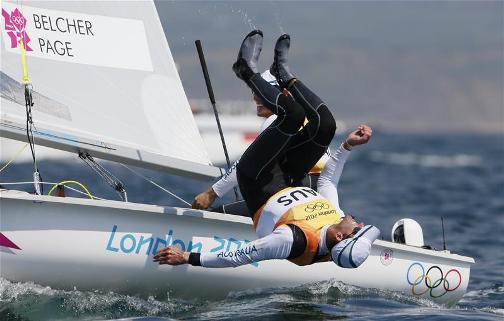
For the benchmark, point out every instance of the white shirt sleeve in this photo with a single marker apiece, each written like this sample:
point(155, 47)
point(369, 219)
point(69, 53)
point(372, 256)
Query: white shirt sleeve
point(268, 122)
point(276, 245)
point(227, 182)
point(327, 184)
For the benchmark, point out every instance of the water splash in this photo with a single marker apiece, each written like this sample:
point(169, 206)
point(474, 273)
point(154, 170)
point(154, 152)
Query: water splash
point(487, 300)
point(335, 290)
point(319, 300)
point(276, 9)
point(244, 16)
point(32, 301)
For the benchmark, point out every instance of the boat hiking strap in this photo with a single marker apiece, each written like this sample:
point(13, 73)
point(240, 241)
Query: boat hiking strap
point(29, 120)
point(109, 178)
point(157, 185)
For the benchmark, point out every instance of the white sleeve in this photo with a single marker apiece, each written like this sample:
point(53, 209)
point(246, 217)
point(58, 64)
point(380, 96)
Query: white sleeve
point(327, 184)
point(276, 245)
point(227, 182)
point(268, 122)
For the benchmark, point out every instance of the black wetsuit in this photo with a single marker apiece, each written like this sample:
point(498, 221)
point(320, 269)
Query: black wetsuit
point(282, 155)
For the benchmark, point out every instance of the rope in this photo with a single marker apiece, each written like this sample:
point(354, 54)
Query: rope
point(71, 182)
point(14, 157)
point(37, 179)
point(109, 178)
point(157, 185)
point(49, 183)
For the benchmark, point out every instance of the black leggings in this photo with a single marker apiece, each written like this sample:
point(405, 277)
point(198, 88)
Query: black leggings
point(282, 154)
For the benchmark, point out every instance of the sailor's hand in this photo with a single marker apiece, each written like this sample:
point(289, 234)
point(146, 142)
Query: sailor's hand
point(204, 200)
point(360, 136)
point(171, 255)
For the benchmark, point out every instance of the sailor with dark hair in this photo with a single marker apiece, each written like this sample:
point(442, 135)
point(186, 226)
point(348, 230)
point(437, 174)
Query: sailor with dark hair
point(293, 222)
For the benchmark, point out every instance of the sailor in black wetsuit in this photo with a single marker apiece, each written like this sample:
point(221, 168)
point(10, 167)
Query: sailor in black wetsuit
point(229, 180)
point(292, 222)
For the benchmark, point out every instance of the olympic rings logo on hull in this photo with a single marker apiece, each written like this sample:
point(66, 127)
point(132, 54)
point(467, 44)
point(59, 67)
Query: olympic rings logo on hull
point(432, 280)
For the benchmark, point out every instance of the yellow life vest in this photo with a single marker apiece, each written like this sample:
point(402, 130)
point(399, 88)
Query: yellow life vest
point(304, 208)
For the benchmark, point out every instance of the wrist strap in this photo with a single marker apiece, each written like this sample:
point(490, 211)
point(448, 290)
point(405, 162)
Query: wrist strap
point(194, 259)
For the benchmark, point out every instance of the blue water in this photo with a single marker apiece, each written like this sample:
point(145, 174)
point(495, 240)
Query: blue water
point(459, 177)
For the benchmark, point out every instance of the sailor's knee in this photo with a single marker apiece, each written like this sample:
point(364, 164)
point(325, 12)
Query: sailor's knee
point(297, 116)
point(327, 126)
point(294, 114)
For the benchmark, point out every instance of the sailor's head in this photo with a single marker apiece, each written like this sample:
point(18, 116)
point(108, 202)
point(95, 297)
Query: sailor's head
point(350, 242)
point(263, 111)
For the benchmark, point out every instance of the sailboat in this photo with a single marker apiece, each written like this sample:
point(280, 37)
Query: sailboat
point(104, 85)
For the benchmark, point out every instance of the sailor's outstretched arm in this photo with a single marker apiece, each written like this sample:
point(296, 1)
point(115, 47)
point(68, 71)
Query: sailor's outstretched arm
point(277, 245)
point(327, 184)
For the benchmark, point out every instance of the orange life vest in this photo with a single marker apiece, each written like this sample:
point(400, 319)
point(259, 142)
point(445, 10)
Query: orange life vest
point(304, 208)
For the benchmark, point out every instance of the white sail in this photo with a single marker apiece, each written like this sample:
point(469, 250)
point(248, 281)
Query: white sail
point(104, 82)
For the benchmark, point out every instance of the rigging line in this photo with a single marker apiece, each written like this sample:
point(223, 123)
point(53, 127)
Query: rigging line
point(157, 185)
point(39, 188)
point(109, 178)
point(21, 183)
point(81, 192)
point(29, 125)
point(14, 157)
point(50, 183)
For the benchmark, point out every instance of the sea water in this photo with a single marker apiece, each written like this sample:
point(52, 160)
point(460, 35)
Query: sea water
point(424, 177)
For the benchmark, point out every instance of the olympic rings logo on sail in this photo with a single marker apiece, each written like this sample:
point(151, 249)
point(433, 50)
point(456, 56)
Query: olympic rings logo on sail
point(434, 280)
point(318, 206)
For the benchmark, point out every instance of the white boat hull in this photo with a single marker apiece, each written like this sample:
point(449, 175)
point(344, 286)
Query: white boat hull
point(108, 245)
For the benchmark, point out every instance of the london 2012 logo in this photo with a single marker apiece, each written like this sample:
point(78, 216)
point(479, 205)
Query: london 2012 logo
point(432, 280)
point(15, 26)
